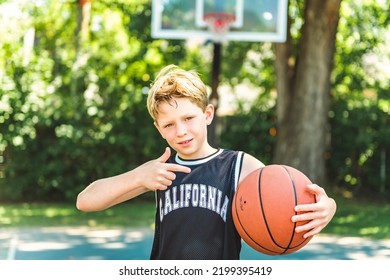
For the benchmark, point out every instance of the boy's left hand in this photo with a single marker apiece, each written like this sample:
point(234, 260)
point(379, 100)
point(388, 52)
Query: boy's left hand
point(317, 214)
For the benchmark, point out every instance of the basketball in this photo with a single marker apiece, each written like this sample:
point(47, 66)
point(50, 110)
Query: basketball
point(263, 206)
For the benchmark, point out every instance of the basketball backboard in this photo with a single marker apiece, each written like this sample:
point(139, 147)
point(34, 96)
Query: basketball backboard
point(254, 20)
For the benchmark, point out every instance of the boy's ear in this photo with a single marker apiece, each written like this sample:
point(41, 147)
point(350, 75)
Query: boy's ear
point(209, 112)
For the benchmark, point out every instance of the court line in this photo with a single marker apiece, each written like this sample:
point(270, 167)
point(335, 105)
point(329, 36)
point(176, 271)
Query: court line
point(13, 244)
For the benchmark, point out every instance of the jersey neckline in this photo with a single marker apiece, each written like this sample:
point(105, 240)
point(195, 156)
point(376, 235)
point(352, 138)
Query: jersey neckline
point(197, 161)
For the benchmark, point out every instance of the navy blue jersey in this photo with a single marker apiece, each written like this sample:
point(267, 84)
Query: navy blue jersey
point(193, 217)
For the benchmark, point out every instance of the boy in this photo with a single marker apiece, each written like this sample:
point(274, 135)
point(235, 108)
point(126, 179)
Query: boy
point(194, 188)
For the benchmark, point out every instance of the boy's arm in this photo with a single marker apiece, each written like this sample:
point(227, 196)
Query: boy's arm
point(150, 176)
point(106, 192)
point(249, 164)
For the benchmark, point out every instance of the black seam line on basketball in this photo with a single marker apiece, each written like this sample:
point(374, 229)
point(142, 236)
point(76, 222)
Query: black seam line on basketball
point(296, 203)
point(266, 223)
point(264, 217)
point(247, 234)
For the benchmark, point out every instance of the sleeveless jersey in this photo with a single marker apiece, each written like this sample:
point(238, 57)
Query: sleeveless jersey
point(193, 217)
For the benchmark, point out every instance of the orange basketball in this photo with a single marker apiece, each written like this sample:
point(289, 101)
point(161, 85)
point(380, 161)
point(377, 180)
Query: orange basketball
point(263, 206)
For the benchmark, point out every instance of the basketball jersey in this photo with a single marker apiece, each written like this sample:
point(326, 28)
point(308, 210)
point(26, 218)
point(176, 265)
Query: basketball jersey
point(193, 215)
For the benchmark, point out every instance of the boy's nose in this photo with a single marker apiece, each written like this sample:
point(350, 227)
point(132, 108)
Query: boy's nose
point(181, 130)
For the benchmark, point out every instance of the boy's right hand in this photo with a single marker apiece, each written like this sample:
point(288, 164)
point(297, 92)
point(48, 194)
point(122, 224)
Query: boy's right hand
point(157, 174)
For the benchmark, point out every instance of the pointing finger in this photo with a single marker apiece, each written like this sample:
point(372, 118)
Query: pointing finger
point(178, 168)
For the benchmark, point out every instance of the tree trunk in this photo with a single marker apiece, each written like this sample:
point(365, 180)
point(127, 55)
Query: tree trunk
point(304, 91)
point(83, 13)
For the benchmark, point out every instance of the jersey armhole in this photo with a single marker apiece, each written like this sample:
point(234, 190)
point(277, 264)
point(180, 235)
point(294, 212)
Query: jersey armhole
point(237, 169)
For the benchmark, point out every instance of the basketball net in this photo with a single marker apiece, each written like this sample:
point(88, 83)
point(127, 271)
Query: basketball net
point(219, 24)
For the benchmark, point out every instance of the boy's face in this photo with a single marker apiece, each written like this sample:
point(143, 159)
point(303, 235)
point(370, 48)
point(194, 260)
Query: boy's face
point(184, 126)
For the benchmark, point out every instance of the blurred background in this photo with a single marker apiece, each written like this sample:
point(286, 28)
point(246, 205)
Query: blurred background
point(74, 77)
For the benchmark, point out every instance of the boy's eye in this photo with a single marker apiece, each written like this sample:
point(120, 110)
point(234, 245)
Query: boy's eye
point(167, 125)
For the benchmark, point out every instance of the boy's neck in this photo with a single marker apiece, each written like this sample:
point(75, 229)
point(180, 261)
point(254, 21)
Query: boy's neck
point(206, 152)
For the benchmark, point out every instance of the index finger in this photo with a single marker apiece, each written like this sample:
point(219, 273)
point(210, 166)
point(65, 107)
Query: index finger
point(305, 207)
point(178, 168)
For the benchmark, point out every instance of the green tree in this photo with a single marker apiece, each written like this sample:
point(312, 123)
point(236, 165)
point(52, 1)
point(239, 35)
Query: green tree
point(72, 102)
point(359, 115)
point(74, 108)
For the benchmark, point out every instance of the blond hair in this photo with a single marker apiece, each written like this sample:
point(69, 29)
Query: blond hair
point(174, 82)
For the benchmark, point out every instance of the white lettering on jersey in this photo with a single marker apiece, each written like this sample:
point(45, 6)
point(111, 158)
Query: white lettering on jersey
point(168, 203)
point(174, 199)
point(187, 195)
point(194, 195)
point(224, 208)
point(218, 210)
point(203, 193)
point(181, 196)
point(212, 198)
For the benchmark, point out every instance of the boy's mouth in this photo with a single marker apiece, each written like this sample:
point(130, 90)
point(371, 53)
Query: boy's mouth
point(186, 142)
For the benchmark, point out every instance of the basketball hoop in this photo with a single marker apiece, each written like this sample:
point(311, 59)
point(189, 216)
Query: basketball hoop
point(219, 24)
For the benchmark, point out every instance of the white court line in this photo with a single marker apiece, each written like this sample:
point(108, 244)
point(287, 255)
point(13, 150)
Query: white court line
point(12, 247)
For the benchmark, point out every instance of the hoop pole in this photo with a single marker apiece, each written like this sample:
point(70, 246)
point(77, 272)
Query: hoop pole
point(214, 96)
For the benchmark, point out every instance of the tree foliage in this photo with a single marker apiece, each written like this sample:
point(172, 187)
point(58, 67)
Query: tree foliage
point(73, 110)
point(360, 115)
